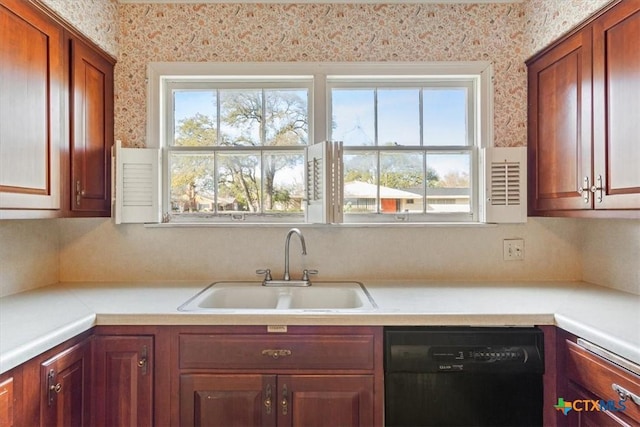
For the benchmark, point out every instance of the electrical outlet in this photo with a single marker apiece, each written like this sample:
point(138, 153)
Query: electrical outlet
point(513, 249)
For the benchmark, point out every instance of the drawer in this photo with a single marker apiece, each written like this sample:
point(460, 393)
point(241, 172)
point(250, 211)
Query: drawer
point(300, 352)
point(597, 375)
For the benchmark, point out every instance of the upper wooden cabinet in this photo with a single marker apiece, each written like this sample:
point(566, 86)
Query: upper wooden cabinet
point(56, 117)
point(31, 83)
point(584, 94)
point(616, 107)
point(91, 129)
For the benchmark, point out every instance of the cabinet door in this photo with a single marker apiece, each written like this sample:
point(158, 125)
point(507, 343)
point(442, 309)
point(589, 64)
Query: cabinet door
point(616, 79)
point(6, 402)
point(227, 400)
point(559, 132)
point(123, 381)
point(64, 379)
point(31, 73)
point(325, 400)
point(586, 417)
point(91, 129)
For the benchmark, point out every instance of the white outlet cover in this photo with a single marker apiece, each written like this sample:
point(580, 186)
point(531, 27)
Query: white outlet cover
point(513, 249)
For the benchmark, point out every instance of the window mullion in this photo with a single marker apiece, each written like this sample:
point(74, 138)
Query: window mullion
point(424, 153)
point(263, 143)
point(375, 137)
point(216, 157)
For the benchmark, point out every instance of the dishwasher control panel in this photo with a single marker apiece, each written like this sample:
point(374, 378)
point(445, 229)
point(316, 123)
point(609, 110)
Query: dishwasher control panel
point(463, 350)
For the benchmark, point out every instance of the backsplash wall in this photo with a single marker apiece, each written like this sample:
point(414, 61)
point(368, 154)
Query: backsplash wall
point(133, 252)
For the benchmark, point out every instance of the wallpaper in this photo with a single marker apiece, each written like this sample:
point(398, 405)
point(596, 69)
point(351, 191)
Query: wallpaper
point(322, 32)
point(549, 19)
point(96, 19)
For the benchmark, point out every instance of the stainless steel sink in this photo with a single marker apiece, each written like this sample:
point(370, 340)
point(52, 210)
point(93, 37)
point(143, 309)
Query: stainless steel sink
point(321, 296)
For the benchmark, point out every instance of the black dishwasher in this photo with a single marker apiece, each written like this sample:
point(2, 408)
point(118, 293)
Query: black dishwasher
point(463, 376)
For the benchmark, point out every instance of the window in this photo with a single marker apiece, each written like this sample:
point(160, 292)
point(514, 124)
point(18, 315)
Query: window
point(236, 148)
point(234, 138)
point(409, 147)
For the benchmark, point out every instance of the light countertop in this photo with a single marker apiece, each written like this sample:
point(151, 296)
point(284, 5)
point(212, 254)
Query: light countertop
point(34, 321)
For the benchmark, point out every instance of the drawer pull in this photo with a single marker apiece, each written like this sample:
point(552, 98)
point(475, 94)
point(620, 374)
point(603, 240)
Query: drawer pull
point(625, 394)
point(276, 353)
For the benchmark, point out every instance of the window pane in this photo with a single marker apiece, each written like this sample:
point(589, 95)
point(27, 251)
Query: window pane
point(241, 117)
point(353, 116)
point(449, 190)
point(360, 183)
point(194, 118)
point(283, 182)
point(192, 182)
point(239, 182)
point(401, 182)
point(398, 117)
point(287, 117)
point(445, 116)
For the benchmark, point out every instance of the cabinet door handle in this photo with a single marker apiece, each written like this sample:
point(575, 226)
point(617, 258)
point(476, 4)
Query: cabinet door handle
point(584, 189)
point(598, 188)
point(285, 400)
point(143, 362)
point(53, 388)
point(79, 192)
point(276, 353)
point(625, 394)
point(267, 400)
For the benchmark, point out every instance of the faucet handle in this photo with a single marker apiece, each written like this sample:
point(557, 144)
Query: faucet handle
point(267, 274)
point(306, 273)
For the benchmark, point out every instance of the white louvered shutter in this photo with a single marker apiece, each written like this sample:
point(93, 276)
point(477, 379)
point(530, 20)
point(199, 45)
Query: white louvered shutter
point(504, 196)
point(137, 184)
point(324, 183)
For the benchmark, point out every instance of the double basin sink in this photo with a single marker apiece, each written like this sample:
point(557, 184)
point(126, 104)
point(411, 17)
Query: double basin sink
point(320, 297)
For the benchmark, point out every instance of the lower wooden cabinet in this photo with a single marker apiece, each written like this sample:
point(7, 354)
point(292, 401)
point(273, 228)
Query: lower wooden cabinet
point(202, 375)
point(276, 400)
point(123, 380)
point(326, 400)
point(227, 399)
point(245, 376)
point(599, 392)
point(64, 387)
point(6, 402)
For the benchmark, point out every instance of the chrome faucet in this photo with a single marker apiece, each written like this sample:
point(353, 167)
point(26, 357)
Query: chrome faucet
point(286, 279)
point(286, 250)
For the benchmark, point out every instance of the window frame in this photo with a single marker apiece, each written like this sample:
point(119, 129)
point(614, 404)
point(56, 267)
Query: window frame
point(480, 72)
